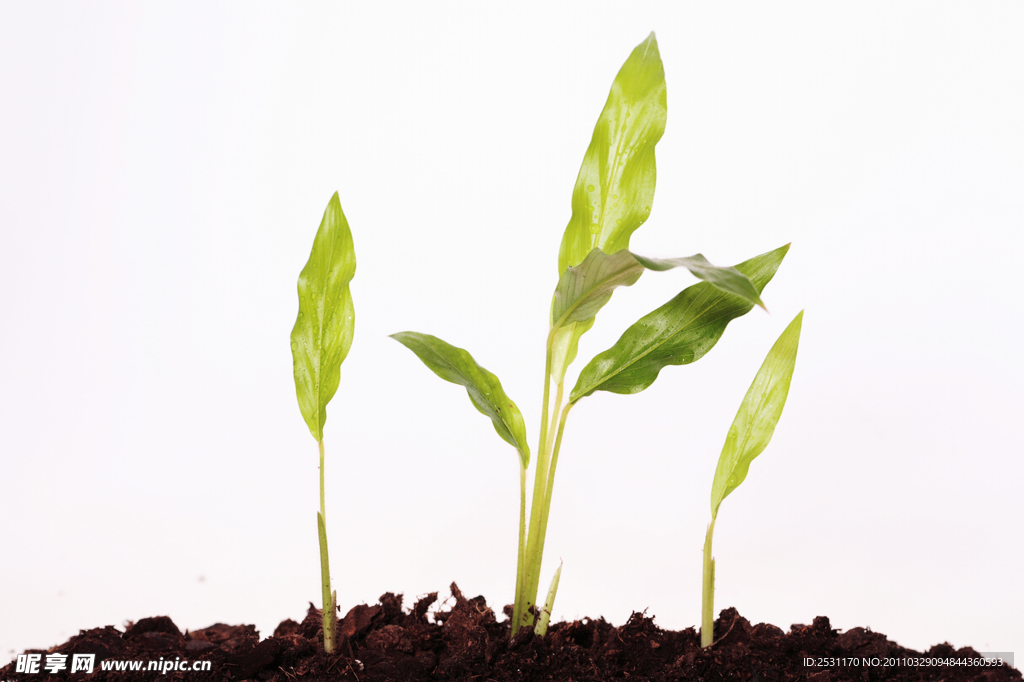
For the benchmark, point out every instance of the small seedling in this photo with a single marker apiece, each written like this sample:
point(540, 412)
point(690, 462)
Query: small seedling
point(749, 435)
point(612, 198)
point(321, 339)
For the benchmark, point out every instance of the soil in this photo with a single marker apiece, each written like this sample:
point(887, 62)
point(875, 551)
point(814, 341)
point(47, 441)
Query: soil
point(466, 642)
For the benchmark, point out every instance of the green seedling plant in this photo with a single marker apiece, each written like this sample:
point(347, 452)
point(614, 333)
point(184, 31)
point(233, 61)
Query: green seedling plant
point(320, 342)
point(612, 197)
point(749, 435)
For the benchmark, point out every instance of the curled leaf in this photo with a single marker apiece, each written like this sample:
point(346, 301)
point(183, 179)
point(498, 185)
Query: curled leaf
point(458, 366)
point(584, 289)
point(679, 332)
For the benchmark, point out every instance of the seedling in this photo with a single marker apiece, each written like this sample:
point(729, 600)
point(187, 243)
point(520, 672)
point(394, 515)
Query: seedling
point(749, 435)
point(612, 198)
point(321, 339)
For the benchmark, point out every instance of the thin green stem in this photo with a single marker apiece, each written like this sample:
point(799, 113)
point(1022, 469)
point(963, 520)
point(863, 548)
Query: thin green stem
point(528, 595)
point(329, 597)
point(525, 596)
point(323, 510)
point(539, 511)
point(707, 621)
point(521, 558)
point(545, 509)
point(554, 460)
point(545, 415)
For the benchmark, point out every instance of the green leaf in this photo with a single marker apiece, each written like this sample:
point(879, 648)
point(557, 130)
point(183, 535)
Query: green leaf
point(615, 187)
point(680, 332)
point(583, 290)
point(727, 279)
point(755, 421)
point(541, 628)
point(322, 334)
point(485, 391)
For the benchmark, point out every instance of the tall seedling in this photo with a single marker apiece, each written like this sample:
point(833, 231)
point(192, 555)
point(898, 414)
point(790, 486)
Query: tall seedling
point(749, 435)
point(320, 340)
point(612, 198)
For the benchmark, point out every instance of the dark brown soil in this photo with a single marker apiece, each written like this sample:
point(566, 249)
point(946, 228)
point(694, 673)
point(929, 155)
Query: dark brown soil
point(386, 643)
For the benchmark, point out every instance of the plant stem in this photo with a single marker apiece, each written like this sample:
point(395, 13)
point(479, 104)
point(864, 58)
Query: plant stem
point(707, 622)
point(521, 615)
point(521, 558)
point(550, 484)
point(542, 488)
point(329, 597)
point(554, 463)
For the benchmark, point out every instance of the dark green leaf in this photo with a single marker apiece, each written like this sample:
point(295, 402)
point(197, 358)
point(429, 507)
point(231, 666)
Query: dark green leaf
point(755, 421)
point(322, 334)
point(485, 391)
point(679, 332)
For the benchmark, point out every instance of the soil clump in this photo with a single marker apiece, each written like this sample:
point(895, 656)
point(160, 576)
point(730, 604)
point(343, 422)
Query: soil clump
point(466, 642)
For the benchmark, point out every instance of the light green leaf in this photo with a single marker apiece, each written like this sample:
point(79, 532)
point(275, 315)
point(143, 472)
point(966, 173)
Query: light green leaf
point(755, 421)
point(583, 290)
point(322, 334)
point(615, 187)
point(485, 391)
point(541, 628)
point(680, 332)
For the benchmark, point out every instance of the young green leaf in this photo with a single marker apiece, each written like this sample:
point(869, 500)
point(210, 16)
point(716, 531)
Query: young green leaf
point(458, 366)
point(323, 331)
point(541, 627)
point(679, 332)
point(749, 435)
point(755, 421)
point(583, 290)
point(615, 187)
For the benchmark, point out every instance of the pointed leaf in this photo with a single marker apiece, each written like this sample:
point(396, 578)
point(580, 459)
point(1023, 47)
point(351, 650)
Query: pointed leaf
point(541, 628)
point(322, 334)
point(615, 187)
point(754, 425)
point(485, 391)
point(583, 290)
point(679, 332)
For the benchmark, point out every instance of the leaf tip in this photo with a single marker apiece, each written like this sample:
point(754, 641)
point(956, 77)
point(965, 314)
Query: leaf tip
point(651, 42)
point(798, 321)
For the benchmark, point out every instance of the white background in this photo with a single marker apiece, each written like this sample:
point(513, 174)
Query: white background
point(165, 167)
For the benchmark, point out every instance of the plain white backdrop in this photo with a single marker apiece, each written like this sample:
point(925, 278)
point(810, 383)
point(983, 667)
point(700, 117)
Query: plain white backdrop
point(163, 169)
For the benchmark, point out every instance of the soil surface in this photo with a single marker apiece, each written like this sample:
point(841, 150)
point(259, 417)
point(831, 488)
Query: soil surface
point(466, 642)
